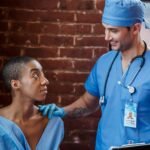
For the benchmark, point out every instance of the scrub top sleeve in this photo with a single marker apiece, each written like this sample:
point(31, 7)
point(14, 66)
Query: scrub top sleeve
point(91, 84)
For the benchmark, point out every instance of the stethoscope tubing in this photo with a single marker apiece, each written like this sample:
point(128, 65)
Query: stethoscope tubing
point(110, 68)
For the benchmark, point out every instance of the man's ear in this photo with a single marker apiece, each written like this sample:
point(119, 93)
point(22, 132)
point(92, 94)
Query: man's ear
point(15, 84)
point(137, 28)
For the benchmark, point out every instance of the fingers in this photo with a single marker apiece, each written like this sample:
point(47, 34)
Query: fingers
point(50, 110)
point(59, 112)
point(41, 107)
point(47, 109)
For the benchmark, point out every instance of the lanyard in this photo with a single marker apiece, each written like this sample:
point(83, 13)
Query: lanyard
point(129, 87)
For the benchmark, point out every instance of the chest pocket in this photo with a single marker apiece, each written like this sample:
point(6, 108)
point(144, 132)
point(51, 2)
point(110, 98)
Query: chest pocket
point(143, 98)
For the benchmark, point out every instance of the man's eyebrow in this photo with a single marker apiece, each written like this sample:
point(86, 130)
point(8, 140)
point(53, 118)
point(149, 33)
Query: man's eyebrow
point(113, 28)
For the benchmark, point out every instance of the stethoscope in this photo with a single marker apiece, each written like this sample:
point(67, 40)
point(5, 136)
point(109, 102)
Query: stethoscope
point(130, 88)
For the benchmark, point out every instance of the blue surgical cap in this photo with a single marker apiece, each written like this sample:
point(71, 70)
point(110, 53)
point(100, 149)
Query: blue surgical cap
point(123, 13)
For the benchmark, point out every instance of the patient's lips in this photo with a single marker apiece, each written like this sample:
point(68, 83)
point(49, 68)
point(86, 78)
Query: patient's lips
point(44, 90)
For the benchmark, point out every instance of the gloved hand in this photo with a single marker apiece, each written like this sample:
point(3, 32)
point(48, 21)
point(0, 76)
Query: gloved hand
point(51, 110)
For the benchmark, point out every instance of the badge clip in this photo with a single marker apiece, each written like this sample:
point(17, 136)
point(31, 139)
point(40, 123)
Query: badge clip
point(102, 100)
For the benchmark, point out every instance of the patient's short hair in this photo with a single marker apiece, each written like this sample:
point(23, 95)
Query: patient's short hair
point(12, 69)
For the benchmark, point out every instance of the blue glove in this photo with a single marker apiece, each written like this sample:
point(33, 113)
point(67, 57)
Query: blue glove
point(51, 110)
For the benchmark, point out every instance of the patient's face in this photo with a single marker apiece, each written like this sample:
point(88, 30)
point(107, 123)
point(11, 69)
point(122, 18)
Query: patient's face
point(33, 83)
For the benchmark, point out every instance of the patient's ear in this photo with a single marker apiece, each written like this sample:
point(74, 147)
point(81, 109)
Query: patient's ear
point(15, 84)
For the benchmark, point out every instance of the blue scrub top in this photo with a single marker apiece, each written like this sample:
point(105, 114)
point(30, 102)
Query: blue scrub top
point(111, 130)
point(12, 137)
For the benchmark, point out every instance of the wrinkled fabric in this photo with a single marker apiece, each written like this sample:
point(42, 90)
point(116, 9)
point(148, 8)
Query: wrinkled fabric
point(111, 130)
point(125, 13)
point(12, 138)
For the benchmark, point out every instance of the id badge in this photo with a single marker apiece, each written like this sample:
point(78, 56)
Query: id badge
point(130, 115)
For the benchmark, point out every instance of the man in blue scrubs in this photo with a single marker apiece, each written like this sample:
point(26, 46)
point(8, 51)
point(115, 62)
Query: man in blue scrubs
point(119, 82)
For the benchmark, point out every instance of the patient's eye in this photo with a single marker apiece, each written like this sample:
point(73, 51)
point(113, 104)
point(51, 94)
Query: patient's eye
point(35, 75)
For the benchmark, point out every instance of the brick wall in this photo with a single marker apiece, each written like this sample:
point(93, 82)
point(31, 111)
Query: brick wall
point(67, 37)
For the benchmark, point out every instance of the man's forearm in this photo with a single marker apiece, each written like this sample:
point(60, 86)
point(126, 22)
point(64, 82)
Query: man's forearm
point(84, 106)
point(76, 112)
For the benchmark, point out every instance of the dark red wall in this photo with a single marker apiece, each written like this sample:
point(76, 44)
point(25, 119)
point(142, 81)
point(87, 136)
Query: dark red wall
point(67, 37)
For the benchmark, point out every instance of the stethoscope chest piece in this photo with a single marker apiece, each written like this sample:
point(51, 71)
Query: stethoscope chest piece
point(131, 89)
